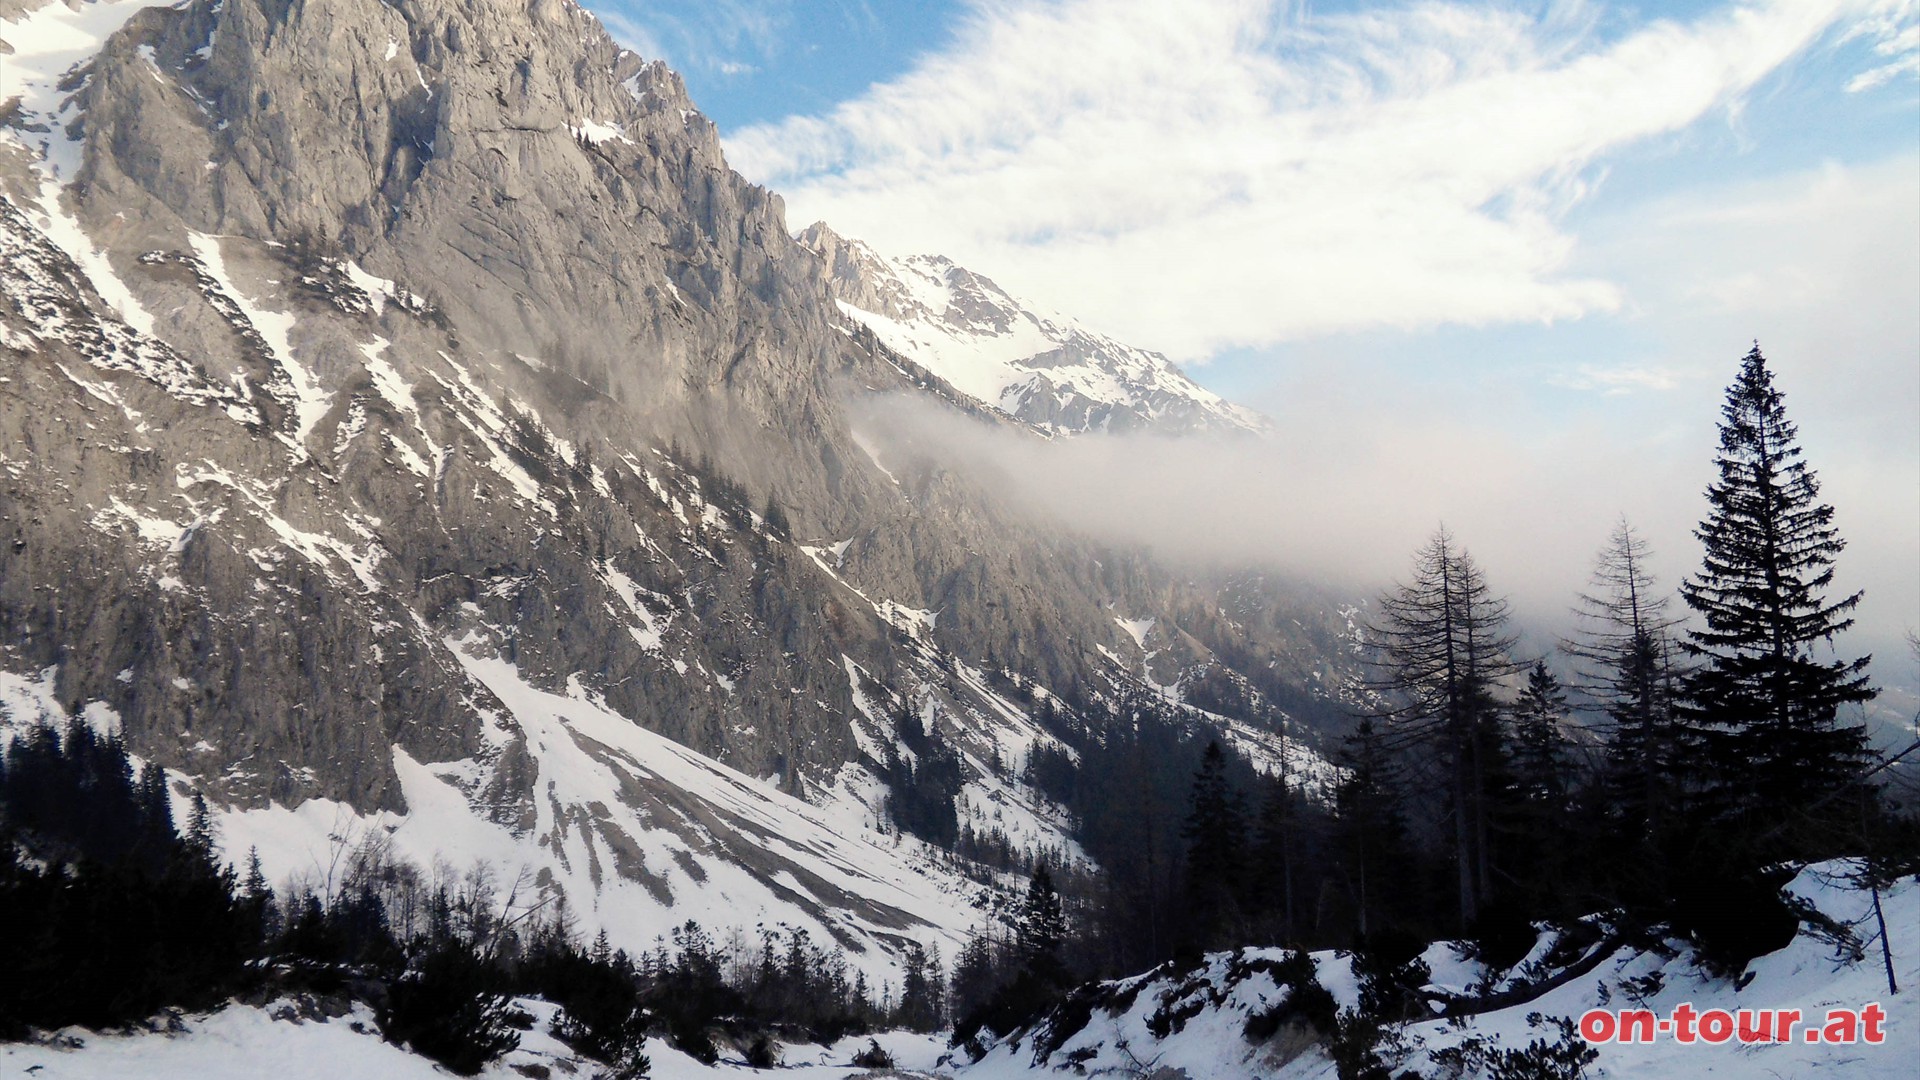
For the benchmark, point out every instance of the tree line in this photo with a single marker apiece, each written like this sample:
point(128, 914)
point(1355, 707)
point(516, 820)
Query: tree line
point(1717, 752)
point(114, 913)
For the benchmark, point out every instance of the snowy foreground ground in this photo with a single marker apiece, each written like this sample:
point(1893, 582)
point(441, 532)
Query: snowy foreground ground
point(243, 1043)
point(1811, 975)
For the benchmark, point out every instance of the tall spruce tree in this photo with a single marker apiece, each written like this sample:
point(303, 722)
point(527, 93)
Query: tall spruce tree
point(1625, 648)
point(1040, 931)
point(1274, 847)
point(1215, 832)
point(976, 974)
point(919, 1005)
point(1538, 748)
point(1369, 828)
point(1767, 700)
point(1537, 817)
point(1445, 647)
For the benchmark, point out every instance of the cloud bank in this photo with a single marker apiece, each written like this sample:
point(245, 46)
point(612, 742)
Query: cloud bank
point(1530, 463)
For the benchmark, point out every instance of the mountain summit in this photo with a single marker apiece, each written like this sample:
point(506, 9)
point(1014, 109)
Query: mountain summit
point(1045, 370)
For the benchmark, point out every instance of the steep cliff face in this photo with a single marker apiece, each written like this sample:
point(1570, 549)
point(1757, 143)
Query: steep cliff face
point(558, 197)
point(403, 408)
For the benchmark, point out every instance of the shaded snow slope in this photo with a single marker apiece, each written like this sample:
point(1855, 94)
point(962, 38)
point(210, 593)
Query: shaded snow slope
point(244, 1043)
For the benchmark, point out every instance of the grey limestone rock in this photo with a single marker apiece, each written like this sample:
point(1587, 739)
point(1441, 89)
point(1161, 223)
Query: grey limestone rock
point(465, 340)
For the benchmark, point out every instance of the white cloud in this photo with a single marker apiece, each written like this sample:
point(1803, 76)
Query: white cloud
point(1617, 380)
point(709, 36)
point(632, 35)
point(1896, 40)
point(1239, 172)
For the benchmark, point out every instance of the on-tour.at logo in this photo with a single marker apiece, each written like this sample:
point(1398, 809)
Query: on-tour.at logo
point(1688, 1026)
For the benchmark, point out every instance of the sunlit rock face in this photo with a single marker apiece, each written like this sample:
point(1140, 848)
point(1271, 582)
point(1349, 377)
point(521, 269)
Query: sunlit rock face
point(407, 419)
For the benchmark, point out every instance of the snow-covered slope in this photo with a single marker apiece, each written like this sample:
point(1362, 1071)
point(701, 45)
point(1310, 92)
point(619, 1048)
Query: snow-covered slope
point(1194, 1022)
point(639, 833)
point(288, 1042)
point(1043, 368)
point(1175, 1025)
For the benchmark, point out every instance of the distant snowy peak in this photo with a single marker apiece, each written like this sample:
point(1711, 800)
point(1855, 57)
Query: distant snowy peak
point(1041, 368)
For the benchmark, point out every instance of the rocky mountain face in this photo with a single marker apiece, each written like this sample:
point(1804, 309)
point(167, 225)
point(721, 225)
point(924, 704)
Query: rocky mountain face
point(1045, 370)
point(408, 423)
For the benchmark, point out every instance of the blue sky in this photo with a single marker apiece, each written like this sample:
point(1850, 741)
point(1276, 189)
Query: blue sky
point(760, 62)
point(1522, 244)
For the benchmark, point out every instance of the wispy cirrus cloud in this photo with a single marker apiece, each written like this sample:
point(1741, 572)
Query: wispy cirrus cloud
point(729, 37)
point(1617, 380)
point(1895, 33)
point(1245, 172)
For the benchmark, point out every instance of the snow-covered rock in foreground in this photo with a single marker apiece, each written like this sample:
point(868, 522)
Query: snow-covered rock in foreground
point(1041, 368)
point(1201, 1015)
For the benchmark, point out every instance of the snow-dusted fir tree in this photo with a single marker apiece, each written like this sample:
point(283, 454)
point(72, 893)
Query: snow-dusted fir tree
point(1766, 696)
point(1040, 930)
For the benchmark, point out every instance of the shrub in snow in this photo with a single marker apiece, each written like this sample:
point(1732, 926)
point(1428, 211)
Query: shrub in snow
point(448, 1010)
point(1307, 1003)
point(1562, 1056)
point(761, 1054)
point(1566, 1057)
point(873, 1057)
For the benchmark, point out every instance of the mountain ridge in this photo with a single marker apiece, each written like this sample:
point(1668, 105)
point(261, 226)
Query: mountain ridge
point(318, 419)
